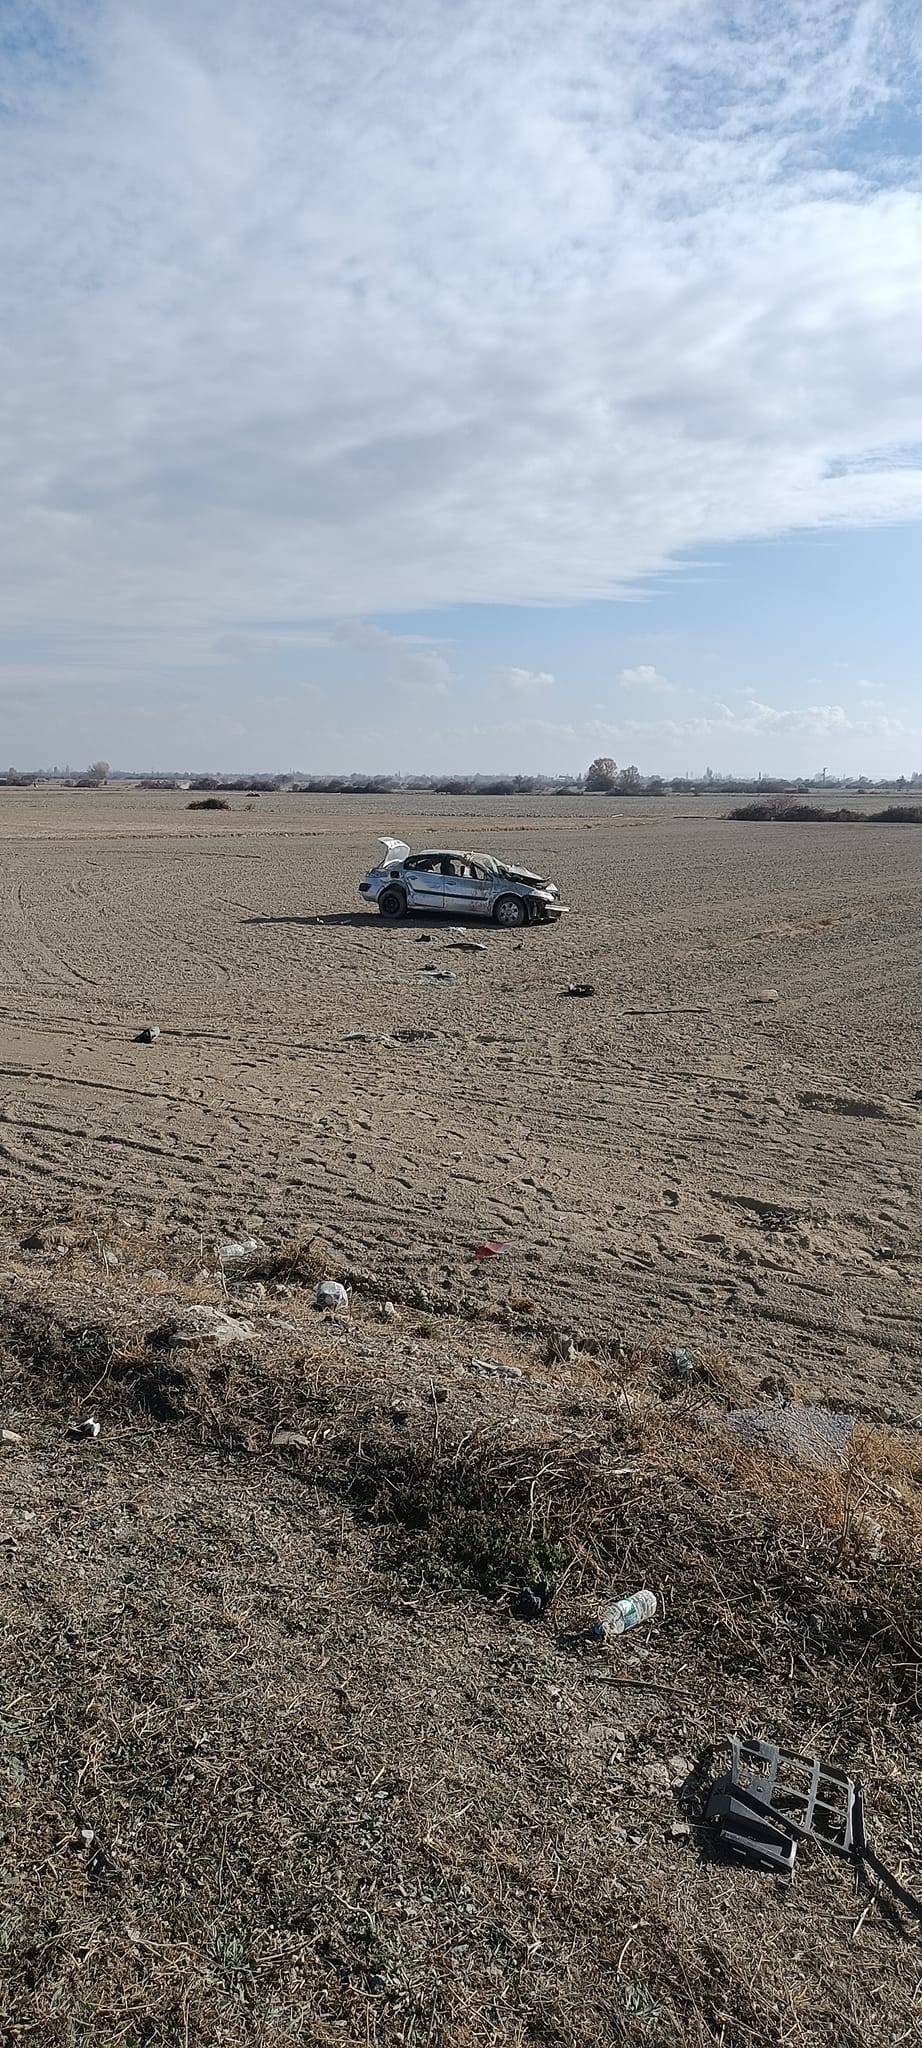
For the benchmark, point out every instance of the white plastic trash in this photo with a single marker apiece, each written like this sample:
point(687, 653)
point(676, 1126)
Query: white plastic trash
point(620, 1615)
point(331, 1294)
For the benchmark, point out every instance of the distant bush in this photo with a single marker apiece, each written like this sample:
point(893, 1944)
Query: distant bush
point(787, 810)
point(208, 803)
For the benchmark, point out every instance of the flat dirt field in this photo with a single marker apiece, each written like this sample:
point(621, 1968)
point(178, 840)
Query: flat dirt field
point(305, 1737)
point(675, 1153)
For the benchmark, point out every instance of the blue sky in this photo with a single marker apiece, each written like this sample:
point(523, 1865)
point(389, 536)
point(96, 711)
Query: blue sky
point(455, 388)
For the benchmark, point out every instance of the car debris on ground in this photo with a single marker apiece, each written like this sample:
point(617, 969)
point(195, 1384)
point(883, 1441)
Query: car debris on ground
point(770, 1800)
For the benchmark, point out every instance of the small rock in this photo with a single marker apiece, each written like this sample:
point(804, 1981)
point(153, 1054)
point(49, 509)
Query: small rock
point(680, 1768)
point(679, 1831)
point(201, 1324)
point(237, 1251)
point(10, 1436)
point(331, 1294)
point(492, 1371)
point(658, 1777)
point(390, 1309)
point(766, 995)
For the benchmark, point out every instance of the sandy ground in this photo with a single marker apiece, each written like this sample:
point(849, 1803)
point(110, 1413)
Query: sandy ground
point(673, 1154)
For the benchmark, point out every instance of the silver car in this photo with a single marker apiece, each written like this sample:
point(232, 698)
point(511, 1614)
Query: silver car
point(460, 884)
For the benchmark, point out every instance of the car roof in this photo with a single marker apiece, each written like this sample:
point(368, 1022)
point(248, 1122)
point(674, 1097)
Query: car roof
point(448, 853)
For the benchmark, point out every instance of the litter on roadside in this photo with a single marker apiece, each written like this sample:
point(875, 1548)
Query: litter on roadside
point(88, 1428)
point(148, 1036)
point(578, 988)
point(618, 1616)
point(237, 1251)
point(530, 1602)
point(331, 1294)
point(493, 1248)
point(490, 1371)
point(771, 1800)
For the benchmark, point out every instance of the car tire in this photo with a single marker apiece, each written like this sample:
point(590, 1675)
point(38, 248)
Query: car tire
point(510, 911)
point(392, 903)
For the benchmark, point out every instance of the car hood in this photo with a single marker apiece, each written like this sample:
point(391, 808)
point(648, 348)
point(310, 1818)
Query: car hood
point(521, 875)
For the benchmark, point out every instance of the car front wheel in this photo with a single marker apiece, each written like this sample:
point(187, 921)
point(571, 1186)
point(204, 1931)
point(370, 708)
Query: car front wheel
point(510, 910)
point(392, 903)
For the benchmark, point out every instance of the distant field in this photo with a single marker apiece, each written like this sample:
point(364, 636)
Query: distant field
point(673, 1152)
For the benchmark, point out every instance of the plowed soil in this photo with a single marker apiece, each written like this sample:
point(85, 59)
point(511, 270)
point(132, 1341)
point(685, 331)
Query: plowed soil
point(722, 1144)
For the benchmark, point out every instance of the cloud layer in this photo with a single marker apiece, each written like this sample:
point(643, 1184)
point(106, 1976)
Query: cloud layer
point(315, 312)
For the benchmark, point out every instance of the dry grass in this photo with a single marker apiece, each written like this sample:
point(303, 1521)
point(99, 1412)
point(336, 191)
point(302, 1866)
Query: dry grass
point(282, 1765)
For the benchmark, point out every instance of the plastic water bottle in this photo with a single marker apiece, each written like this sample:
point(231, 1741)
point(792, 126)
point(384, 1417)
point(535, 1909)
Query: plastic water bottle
point(619, 1615)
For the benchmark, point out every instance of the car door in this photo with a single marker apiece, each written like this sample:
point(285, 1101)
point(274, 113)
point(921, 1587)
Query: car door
point(425, 886)
point(468, 895)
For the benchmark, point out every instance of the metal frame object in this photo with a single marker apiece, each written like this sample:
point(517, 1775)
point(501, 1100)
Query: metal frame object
point(772, 1799)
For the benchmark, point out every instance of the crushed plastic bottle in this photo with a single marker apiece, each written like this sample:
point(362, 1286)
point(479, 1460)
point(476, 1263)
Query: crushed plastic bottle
point(618, 1616)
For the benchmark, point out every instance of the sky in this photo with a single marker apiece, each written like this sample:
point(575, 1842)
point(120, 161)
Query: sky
point(456, 385)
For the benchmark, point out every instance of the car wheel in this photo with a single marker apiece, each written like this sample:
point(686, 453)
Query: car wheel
point(510, 910)
point(392, 903)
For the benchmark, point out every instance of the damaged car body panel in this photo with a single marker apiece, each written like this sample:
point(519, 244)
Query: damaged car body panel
point(446, 880)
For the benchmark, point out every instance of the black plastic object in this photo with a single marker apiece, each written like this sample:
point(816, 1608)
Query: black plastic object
point(770, 1800)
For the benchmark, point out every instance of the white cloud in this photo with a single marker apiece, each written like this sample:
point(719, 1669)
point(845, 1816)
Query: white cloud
point(644, 677)
point(305, 321)
point(525, 679)
point(302, 323)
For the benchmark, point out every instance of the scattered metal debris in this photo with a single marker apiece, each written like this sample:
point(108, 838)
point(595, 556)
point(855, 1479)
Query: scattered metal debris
point(741, 1805)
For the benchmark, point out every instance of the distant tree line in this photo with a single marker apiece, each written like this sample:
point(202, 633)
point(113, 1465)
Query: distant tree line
point(603, 777)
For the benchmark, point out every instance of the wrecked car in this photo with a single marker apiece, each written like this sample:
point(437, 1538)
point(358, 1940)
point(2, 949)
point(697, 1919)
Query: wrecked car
point(460, 885)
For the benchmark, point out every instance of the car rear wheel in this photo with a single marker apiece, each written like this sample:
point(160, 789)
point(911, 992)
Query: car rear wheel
point(510, 910)
point(392, 903)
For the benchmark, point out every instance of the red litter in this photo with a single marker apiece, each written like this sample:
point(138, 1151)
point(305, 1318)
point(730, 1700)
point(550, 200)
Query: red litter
point(492, 1248)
